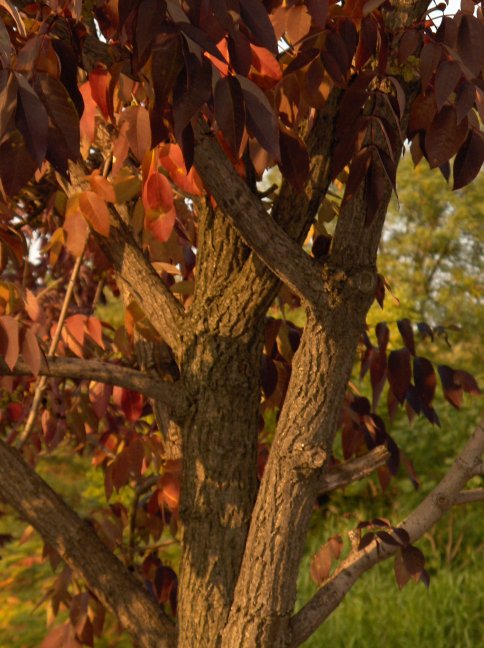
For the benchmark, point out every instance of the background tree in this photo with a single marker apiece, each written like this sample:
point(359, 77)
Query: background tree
point(181, 112)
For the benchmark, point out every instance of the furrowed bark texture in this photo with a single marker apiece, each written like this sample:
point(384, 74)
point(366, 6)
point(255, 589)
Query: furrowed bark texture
point(76, 542)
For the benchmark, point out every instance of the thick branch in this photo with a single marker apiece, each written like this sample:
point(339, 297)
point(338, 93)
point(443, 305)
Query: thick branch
point(76, 542)
point(172, 394)
point(354, 470)
point(446, 494)
point(257, 228)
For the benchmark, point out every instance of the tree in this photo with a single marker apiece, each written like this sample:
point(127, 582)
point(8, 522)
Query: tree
point(155, 196)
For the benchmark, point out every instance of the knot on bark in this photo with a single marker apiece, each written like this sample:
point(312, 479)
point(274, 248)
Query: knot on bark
point(307, 459)
point(364, 281)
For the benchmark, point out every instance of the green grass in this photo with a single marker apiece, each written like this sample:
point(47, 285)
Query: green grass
point(375, 613)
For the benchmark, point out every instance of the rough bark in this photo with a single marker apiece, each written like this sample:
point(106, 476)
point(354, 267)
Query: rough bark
point(77, 543)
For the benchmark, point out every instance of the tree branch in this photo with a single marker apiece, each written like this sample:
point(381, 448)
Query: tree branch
point(257, 228)
point(172, 394)
point(76, 542)
point(162, 309)
point(445, 495)
point(470, 496)
point(354, 470)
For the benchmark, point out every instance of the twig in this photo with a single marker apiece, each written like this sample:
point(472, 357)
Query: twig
point(470, 496)
point(39, 390)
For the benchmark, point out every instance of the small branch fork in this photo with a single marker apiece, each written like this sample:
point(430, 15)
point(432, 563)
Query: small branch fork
point(446, 494)
point(39, 389)
point(172, 394)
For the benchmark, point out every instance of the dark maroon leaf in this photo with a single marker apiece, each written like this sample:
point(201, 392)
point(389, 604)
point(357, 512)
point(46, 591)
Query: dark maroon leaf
point(8, 99)
point(125, 8)
point(31, 119)
point(294, 162)
point(393, 462)
point(409, 468)
point(358, 170)
point(453, 391)
point(62, 115)
point(406, 331)
point(382, 335)
point(402, 535)
point(446, 78)
point(470, 43)
point(413, 398)
point(368, 41)
point(188, 99)
point(445, 170)
point(230, 111)
point(444, 137)
point(366, 540)
point(16, 165)
point(68, 77)
point(469, 159)
point(375, 187)
point(466, 96)
point(261, 119)
point(378, 374)
point(413, 559)
point(399, 372)
point(422, 113)
point(335, 57)
point(429, 59)
point(425, 330)
point(167, 62)
point(467, 382)
point(425, 578)
point(240, 52)
point(408, 43)
point(431, 415)
point(318, 10)
point(361, 406)
point(447, 32)
point(402, 576)
point(425, 379)
point(321, 244)
point(148, 22)
point(269, 375)
point(303, 58)
point(255, 16)
point(388, 539)
point(200, 38)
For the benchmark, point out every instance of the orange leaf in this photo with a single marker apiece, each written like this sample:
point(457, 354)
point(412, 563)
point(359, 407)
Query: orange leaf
point(75, 226)
point(9, 346)
point(157, 193)
point(95, 211)
point(31, 351)
point(160, 224)
point(101, 186)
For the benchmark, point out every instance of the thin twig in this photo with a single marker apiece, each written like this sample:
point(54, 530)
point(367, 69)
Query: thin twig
point(42, 382)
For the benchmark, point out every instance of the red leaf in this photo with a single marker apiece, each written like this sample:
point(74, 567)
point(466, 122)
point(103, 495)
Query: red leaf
point(422, 113)
point(399, 372)
point(99, 80)
point(469, 159)
point(170, 490)
point(8, 99)
point(170, 157)
point(9, 342)
point(14, 241)
point(73, 333)
point(157, 193)
point(129, 401)
point(16, 164)
point(94, 330)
